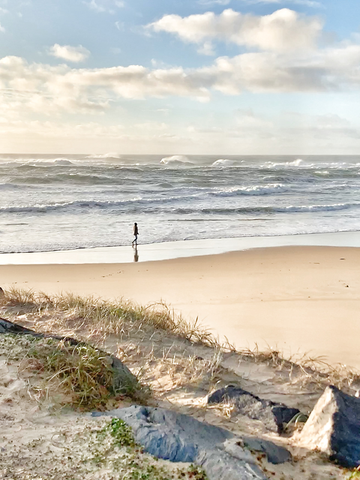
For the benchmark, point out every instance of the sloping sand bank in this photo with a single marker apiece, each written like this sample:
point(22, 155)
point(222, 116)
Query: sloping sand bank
point(297, 299)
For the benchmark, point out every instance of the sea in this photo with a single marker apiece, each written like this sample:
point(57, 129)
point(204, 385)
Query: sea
point(65, 202)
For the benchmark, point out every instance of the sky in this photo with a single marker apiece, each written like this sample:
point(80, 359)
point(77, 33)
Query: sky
point(218, 77)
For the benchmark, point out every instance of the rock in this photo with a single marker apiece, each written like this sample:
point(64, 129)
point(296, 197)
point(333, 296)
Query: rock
point(273, 415)
point(123, 382)
point(334, 427)
point(181, 438)
point(274, 453)
point(10, 327)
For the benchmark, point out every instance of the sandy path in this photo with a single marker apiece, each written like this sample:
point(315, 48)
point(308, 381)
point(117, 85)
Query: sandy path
point(298, 299)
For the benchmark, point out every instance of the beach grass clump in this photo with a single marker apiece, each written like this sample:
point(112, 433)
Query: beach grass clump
point(82, 373)
point(103, 317)
point(94, 319)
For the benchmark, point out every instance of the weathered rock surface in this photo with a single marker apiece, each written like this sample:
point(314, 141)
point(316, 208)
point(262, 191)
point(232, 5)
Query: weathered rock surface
point(181, 438)
point(274, 453)
point(123, 379)
point(334, 427)
point(273, 415)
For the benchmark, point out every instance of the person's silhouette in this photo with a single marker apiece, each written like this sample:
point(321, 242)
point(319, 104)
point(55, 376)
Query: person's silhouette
point(136, 233)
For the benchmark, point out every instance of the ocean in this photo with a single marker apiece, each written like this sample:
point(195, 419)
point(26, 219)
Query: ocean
point(63, 202)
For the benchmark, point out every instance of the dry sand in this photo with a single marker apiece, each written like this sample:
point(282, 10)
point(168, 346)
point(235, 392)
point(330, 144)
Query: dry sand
point(296, 299)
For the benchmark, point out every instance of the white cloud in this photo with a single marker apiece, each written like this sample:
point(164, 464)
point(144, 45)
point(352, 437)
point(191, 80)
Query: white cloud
point(207, 49)
point(105, 6)
point(53, 89)
point(71, 54)
point(2, 29)
point(280, 31)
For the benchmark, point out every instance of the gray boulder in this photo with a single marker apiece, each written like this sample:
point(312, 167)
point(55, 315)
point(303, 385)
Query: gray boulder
point(334, 427)
point(274, 453)
point(273, 415)
point(181, 438)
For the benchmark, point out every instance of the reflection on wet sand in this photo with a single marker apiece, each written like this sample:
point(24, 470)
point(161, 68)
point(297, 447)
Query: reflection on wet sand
point(136, 253)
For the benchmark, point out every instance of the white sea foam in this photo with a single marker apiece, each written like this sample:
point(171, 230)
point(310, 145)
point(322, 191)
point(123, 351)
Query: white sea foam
point(318, 208)
point(223, 162)
point(59, 162)
point(251, 190)
point(175, 159)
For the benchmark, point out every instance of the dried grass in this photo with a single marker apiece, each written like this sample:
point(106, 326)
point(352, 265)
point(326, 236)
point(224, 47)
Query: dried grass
point(103, 317)
point(81, 374)
point(96, 319)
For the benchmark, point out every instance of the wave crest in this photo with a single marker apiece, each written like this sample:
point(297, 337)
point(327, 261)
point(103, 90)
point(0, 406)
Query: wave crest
point(251, 190)
point(223, 162)
point(176, 160)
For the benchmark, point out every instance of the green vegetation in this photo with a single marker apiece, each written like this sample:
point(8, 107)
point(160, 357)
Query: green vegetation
point(113, 447)
point(120, 431)
point(82, 373)
point(130, 460)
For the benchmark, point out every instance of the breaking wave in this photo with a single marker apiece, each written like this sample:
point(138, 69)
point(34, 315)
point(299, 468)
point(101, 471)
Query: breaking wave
point(251, 190)
point(223, 162)
point(176, 160)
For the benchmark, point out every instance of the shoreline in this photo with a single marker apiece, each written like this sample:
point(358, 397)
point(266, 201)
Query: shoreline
point(179, 249)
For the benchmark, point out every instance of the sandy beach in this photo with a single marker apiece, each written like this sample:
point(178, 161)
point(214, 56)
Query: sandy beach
point(297, 299)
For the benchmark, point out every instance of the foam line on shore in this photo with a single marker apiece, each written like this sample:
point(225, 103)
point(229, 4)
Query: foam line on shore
point(182, 249)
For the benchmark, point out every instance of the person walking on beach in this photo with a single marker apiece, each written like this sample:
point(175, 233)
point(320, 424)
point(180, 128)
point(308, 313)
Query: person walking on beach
point(136, 233)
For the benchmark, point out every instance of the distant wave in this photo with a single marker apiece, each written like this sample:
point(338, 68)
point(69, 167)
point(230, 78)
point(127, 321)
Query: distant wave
point(251, 190)
point(58, 162)
point(302, 164)
point(267, 209)
point(92, 204)
point(176, 160)
point(318, 208)
point(71, 179)
point(223, 162)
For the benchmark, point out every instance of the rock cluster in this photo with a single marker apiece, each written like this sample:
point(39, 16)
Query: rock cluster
point(333, 427)
point(181, 438)
point(273, 415)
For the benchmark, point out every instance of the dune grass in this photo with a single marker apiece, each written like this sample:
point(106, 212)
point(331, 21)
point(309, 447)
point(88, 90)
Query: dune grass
point(97, 319)
point(106, 317)
point(82, 374)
